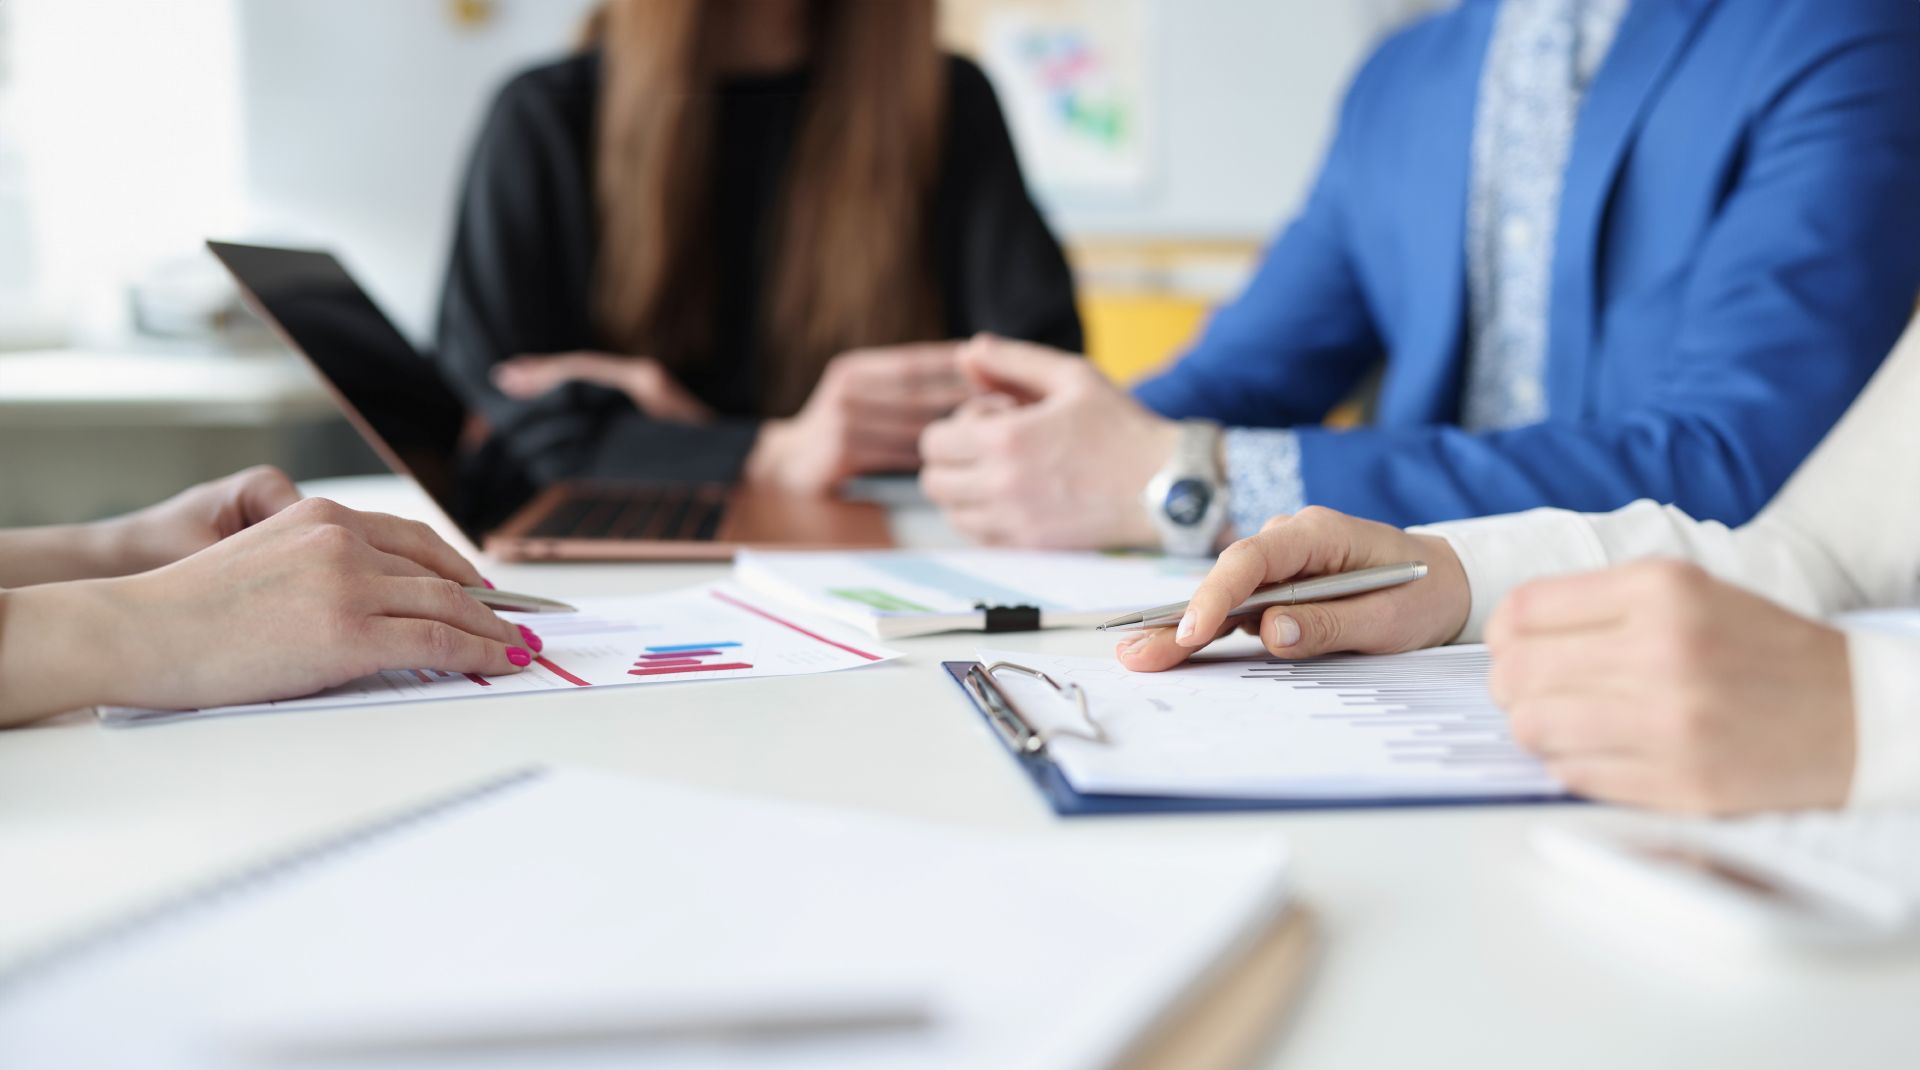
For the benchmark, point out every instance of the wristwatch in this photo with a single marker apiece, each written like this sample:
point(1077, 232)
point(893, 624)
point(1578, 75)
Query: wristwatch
point(1187, 498)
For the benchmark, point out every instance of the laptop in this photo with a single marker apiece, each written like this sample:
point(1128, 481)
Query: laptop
point(397, 400)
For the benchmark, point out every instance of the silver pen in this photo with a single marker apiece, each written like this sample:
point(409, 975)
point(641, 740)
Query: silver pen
point(510, 602)
point(1320, 589)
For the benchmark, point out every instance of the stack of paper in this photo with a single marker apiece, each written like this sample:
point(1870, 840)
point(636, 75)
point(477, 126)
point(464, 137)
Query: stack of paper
point(898, 593)
point(1402, 728)
point(578, 919)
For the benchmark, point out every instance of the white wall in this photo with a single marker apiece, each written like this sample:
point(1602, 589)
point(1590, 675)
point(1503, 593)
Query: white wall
point(358, 114)
point(357, 118)
point(125, 120)
point(1245, 96)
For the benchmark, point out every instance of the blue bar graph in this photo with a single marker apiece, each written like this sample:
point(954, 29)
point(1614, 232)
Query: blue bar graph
point(680, 647)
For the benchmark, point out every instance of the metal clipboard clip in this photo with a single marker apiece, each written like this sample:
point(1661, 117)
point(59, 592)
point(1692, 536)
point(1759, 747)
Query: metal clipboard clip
point(1019, 733)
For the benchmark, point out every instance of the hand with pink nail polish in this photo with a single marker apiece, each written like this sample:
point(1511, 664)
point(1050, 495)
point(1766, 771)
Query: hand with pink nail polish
point(1318, 542)
point(311, 597)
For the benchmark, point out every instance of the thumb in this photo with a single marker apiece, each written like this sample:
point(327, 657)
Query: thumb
point(527, 377)
point(1362, 625)
point(1026, 371)
point(264, 491)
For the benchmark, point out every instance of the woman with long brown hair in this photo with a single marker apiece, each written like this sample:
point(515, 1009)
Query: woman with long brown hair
point(735, 237)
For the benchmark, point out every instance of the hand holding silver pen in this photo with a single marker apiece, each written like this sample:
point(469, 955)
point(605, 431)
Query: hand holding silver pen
point(511, 602)
point(1321, 589)
point(1303, 549)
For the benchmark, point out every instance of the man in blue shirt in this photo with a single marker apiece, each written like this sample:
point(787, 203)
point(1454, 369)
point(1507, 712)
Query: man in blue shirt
point(1605, 250)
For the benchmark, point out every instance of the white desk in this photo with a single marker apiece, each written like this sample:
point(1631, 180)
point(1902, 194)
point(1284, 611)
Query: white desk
point(1445, 944)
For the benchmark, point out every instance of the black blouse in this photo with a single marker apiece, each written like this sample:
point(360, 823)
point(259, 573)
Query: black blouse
point(521, 276)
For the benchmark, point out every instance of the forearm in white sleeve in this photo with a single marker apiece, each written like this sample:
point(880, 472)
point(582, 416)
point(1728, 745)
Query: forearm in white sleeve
point(1503, 552)
point(1886, 716)
point(1851, 514)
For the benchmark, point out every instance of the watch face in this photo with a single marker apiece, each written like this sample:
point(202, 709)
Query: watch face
point(1187, 501)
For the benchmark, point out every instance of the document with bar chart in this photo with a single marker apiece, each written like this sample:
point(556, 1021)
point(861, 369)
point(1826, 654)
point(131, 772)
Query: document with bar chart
point(1405, 727)
point(715, 632)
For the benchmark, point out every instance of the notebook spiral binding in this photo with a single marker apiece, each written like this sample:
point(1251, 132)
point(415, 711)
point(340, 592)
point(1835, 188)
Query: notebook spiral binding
point(252, 878)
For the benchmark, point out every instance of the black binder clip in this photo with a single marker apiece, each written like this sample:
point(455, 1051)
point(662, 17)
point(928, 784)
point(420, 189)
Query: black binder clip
point(1010, 618)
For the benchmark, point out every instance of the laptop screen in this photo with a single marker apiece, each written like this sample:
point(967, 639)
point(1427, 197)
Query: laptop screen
point(390, 392)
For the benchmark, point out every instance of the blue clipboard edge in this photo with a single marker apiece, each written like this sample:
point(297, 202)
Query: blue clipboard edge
point(1068, 802)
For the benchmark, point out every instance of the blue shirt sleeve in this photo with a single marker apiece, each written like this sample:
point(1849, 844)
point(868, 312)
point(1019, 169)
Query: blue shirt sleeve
point(1801, 286)
point(1263, 477)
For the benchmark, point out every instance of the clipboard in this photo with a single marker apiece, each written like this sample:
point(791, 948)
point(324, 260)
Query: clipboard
point(1028, 747)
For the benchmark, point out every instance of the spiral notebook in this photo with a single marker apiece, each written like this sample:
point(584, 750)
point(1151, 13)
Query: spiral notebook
point(568, 918)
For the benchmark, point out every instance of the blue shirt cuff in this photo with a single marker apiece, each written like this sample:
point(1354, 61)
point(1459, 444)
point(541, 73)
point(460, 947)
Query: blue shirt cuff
point(1263, 477)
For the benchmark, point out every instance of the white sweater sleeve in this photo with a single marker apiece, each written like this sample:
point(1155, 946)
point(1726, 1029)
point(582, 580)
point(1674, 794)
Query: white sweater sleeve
point(1844, 533)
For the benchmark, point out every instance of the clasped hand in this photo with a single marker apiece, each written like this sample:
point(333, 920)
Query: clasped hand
point(1048, 454)
point(865, 415)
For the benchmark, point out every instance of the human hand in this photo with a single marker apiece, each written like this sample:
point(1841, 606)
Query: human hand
point(646, 382)
point(195, 519)
point(1656, 685)
point(1318, 542)
point(1062, 466)
point(312, 597)
point(865, 416)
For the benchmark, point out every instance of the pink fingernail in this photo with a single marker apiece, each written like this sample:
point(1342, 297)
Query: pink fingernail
point(1132, 645)
point(519, 657)
point(489, 584)
point(1286, 631)
point(532, 639)
point(1185, 631)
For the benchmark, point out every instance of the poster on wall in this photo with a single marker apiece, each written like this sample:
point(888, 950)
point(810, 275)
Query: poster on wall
point(1073, 79)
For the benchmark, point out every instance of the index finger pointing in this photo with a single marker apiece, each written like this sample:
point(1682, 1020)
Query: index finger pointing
point(413, 643)
point(1240, 569)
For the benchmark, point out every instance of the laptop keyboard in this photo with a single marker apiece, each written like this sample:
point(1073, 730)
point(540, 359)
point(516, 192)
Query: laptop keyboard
point(664, 513)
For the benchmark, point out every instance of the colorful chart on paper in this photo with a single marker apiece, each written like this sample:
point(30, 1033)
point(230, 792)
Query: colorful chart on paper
point(716, 632)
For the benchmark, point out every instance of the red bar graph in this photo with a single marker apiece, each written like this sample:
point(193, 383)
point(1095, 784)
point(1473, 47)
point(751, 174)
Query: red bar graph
point(677, 659)
point(561, 673)
point(655, 669)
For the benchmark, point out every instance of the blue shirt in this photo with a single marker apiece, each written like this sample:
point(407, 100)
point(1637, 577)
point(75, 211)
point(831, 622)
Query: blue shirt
point(1737, 245)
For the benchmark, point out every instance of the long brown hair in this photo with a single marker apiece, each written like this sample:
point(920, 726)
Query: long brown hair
point(852, 263)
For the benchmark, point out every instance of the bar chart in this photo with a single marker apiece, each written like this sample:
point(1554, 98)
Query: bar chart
point(1414, 727)
point(698, 634)
point(1430, 711)
point(683, 658)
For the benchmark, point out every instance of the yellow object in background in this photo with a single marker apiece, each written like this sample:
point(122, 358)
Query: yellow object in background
point(1131, 335)
point(470, 14)
point(1145, 301)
